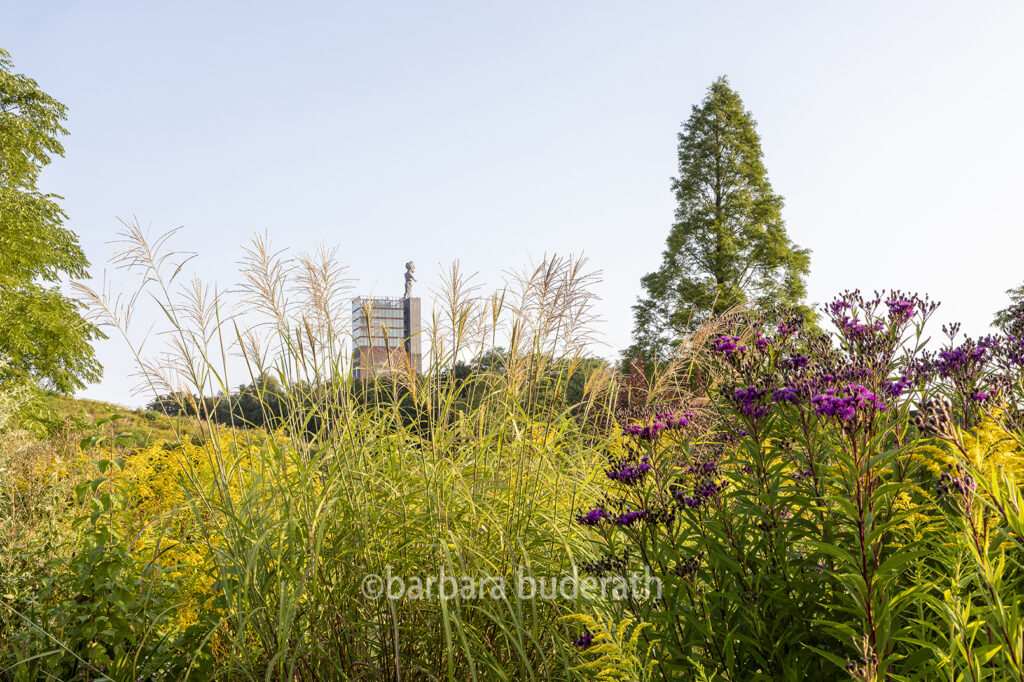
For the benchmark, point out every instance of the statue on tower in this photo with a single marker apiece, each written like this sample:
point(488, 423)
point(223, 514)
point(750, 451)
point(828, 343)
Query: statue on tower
point(410, 267)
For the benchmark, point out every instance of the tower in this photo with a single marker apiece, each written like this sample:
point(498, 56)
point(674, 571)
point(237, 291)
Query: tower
point(386, 332)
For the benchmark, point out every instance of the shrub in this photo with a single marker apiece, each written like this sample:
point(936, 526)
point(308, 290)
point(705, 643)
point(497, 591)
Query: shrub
point(801, 522)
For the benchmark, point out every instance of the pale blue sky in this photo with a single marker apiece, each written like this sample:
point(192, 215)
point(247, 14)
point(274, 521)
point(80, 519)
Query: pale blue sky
point(490, 132)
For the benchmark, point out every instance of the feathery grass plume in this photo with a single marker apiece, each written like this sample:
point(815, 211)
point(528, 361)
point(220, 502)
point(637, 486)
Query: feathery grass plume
point(459, 315)
point(413, 475)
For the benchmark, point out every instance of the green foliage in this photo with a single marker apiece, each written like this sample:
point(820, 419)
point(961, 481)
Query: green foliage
point(798, 525)
point(614, 653)
point(102, 611)
point(809, 527)
point(729, 244)
point(975, 609)
point(1013, 313)
point(42, 333)
point(261, 541)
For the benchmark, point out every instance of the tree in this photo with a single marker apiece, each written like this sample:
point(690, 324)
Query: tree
point(729, 244)
point(43, 337)
point(1011, 318)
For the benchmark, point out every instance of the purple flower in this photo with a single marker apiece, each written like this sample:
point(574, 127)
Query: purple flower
point(629, 472)
point(896, 388)
point(647, 432)
point(703, 489)
point(584, 641)
point(687, 568)
point(762, 342)
point(787, 329)
point(728, 345)
point(703, 468)
point(661, 422)
point(967, 355)
point(839, 307)
point(853, 328)
point(673, 421)
point(1013, 349)
point(980, 396)
point(751, 401)
point(593, 517)
point(964, 484)
point(900, 308)
point(786, 394)
point(707, 489)
point(681, 421)
point(795, 362)
point(630, 517)
point(847, 403)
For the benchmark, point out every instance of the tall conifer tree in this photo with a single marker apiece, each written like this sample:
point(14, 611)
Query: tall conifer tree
point(729, 244)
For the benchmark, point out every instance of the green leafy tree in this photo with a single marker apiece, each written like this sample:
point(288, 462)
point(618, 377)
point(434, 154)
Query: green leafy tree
point(43, 337)
point(729, 244)
point(1012, 315)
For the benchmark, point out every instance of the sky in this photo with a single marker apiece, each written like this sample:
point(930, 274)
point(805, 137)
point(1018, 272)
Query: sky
point(497, 132)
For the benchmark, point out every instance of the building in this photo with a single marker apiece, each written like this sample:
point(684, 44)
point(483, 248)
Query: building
point(385, 335)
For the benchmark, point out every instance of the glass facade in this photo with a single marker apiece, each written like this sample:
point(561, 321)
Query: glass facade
point(385, 333)
point(378, 322)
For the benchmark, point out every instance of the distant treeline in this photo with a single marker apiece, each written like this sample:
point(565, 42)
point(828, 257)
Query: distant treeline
point(267, 403)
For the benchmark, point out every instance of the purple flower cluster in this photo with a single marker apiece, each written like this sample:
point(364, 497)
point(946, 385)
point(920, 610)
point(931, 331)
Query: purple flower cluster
point(703, 468)
point(901, 308)
point(729, 345)
point(952, 360)
point(974, 368)
point(960, 361)
point(752, 401)
point(628, 471)
point(584, 641)
point(617, 513)
point(708, 488)
point(896, 388)
point(662, 421)
point(795, 362)
point(762, 342)
point(1013, 348)
point(703, 490)
point(847, 403)
point(593, 517)
point(853, 328)
point(790, 324)
point(839, 306)
point(864, 324)
point(645, 431)
point(786, 394)
point(630, 517)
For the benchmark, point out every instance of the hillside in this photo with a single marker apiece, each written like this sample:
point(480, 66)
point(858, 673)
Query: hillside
point(137, 427)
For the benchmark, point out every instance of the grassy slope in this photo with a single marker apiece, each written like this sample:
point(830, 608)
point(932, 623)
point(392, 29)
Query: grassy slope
point(145, 426)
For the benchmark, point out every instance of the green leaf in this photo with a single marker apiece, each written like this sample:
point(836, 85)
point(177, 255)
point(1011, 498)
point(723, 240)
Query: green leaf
point(896, 561)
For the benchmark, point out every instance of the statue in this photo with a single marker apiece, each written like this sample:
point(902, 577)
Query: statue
point(410, 267)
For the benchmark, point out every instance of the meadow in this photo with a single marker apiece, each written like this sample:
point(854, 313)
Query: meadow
point(817, 499)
